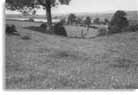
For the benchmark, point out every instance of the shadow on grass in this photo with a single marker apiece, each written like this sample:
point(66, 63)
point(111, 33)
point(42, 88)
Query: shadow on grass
point(37, 29)
point(42, 30)
point(13, 34)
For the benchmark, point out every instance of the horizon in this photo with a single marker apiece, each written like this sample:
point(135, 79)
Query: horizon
point(9, 12)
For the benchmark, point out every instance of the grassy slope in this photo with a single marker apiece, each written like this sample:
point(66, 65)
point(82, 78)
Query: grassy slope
point(48, 61)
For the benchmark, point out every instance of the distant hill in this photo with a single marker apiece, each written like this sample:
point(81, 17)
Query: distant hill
point(133, 15)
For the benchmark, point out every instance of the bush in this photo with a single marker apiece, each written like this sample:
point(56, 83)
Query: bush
point(63, 21)
point(114, 29)
point(118, 22)
point(43, 26)
point(96, 21)
point(87, 21)
point(102, 31)
point(11, 29)
point(133, 28)
point(106, 21)
point(59, 29)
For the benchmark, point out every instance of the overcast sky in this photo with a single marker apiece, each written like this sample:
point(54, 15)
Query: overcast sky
point(98, 5)
point(93, 6)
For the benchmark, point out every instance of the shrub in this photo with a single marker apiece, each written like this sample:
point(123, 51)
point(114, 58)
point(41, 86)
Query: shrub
point(114, 29)
point(106, 21)
point(133, 28)
point(118, 22)
point(59, 29)
point(63, 21)
point(87, 21)
point(43, 26)
point(71, 18)
point(102, 31)
point(10, 29)
point(96, 21)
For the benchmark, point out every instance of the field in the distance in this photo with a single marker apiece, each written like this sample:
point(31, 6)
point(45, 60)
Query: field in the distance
point(52, 62)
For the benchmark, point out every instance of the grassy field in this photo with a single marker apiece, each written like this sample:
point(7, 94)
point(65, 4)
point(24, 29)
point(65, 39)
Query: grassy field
point(52, 62)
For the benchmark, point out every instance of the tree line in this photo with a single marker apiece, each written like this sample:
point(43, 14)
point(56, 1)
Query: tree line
point(86, 21)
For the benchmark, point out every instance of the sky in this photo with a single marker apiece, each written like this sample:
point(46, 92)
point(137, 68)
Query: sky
point(93, 6)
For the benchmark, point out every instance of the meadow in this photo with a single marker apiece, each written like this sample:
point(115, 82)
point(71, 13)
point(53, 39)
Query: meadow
point(45, 61)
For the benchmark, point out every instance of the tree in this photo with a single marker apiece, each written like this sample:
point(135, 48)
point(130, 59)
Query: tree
point(96, 21)
point(47, 4)
point(78, 20)
point(87, 22)
point(106, 21)
point(71, 18)
point(118, 22)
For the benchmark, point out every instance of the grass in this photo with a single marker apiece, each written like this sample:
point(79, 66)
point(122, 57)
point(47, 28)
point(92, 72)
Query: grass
point(53, 62)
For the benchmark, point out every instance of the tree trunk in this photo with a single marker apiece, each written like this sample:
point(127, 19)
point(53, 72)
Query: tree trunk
point(49, 19)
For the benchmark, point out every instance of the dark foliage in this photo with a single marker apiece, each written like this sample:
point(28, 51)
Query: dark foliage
point(96, 21)
point(19, 4)
point(63, 21)
point(11, 29)
point(106, 21)
point(43, 26)
point(133, 28)
point(102, 32)
point(118, 22)
point(59, 29)
point(71, 19)
point(78, 21)
point(87, 21)
point(114, 29)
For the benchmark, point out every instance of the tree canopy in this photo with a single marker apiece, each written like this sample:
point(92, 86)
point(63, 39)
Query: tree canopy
point(47, 4)
point(19, 4)
point(118, 22)
point(87, 21)
point(71, 18)
point(96, 21)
